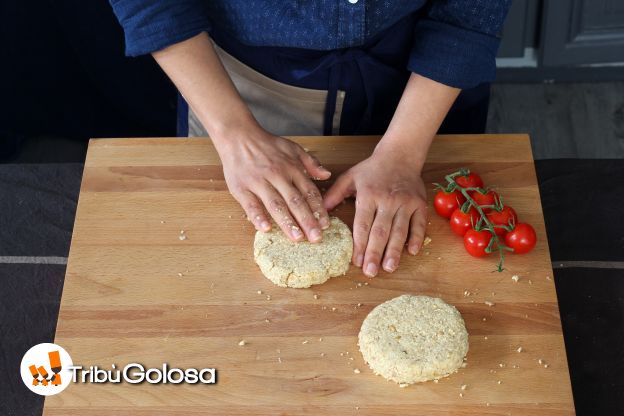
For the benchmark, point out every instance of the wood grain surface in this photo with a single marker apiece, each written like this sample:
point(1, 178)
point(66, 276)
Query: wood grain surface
point(124, 301)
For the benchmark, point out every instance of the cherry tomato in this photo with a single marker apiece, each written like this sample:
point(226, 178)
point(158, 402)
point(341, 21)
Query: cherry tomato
point(502, 217)
point(447, 202)
point(475, 242)
point(463, 221)
point(472, 180)
point(488, 198)
point(522, 238)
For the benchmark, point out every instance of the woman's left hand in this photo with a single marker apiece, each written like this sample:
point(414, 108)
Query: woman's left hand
point(390, 210)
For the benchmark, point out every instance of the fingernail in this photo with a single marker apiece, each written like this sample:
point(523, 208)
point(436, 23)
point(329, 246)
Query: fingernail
point(296, 232)
point(371, 270)
point(390, 265)
point(324, 222)
point(315, 235)
point(359, 260)
point(265, 226)
point(413, 250)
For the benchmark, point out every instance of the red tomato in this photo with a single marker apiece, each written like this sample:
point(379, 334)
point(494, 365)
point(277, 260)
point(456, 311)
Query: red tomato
point(446, 202)
point(522, 238)
point(488, 198)
point(462, 222)
point(502, 217)
point(472, 180)
point(475, 242)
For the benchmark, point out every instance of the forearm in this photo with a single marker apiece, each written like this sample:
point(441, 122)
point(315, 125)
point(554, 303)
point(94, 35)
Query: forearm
point(197, 72)
point(420, 112)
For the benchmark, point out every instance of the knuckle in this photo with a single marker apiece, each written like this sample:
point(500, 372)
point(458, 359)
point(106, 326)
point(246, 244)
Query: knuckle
point(399, 232)
point(373, 254)
point(275, 169)
point(394, 252)
point(252, 207)
point(379, 231)
point(277, 205)
point(362, 227)
point(312, 195)
point(295, 200)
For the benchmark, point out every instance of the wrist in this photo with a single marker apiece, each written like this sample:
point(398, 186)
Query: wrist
point(226, 132)
point(406, 151)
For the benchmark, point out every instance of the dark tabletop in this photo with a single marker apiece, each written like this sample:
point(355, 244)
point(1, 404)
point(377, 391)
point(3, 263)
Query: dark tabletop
point(582, 200)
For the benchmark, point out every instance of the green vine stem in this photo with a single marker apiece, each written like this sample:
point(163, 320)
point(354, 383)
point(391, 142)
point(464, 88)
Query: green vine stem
point(483, 220)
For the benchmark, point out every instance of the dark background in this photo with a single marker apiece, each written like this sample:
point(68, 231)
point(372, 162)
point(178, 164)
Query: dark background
point(64, 79)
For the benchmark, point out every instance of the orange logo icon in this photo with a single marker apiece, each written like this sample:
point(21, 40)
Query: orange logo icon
point(55, 366)
point(45, 369)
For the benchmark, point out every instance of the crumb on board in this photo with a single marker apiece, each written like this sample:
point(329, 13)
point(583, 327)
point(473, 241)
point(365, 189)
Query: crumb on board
point(267, 320)
point(461, 395)
point(540, 361)
point(435, 380)
point(519, 349)
point(403, 385)
point(499, 382)
point(356, 371)
point(316, 296)
point(426, 241)
point(334, 309)
point(489, 303)
point(305, 342)
point(515, 278)
point(322, 354)
point(268, 297)
point(259, 292)
point(464, 364)
point(242, 343)
point(464, 386)
point(179, 274)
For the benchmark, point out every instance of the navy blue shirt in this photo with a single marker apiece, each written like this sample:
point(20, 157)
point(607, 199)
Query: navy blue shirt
point(453, 41)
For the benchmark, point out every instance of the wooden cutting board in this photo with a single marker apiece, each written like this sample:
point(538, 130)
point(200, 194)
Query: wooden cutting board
point(124, 300)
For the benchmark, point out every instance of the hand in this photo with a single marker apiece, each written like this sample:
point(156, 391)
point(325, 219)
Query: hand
point(390, 207)
point(270, 173)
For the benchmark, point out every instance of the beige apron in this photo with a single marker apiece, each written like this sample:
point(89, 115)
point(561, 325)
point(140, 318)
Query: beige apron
point(280, 108)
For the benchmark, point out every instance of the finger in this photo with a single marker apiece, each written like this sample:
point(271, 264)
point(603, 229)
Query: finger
point(277, 207)
point(341, 189)
point(377, 240)
point(314, 200)
point(313, 166)
point(362, 222)
point(299, 208)
point(396, 242)
point(254, 210)
point(418, 225)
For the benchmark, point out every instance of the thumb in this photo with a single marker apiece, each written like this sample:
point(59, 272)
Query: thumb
point(341, 189)
point(313, 166)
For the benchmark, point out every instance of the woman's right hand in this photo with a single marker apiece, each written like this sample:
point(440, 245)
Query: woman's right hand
point(271, 174)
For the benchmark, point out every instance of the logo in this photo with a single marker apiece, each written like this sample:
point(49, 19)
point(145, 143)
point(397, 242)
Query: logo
point(45, 369)
point(48, 369)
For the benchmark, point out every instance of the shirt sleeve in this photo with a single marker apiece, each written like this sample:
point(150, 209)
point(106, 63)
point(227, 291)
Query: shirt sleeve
point(153, 25)
point(456, 41)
